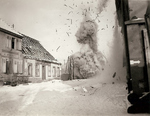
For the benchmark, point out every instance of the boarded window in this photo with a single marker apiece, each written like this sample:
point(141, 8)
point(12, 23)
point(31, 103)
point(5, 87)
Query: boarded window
point(37, 72)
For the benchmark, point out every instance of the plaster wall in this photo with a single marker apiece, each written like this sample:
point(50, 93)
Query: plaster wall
point(6, 52)
point(41, 64)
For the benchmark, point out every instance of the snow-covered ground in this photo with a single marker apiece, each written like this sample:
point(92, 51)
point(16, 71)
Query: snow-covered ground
point(65, 98)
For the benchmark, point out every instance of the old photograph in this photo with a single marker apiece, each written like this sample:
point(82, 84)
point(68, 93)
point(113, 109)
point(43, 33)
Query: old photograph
point(74, 57)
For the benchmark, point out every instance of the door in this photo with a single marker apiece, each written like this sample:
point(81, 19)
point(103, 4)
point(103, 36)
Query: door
point(43, 72)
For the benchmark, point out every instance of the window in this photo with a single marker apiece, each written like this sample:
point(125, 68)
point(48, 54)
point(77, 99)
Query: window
point(13, 43)
point(58, 72)
point(37, 70)
point(54, 71)
point(29, 69)
point(6, 66)
point(49, 71)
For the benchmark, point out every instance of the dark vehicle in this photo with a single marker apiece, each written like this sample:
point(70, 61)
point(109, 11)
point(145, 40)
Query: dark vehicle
point(138, 37)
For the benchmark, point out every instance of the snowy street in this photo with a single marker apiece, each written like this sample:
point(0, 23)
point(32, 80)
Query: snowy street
point(68, 98)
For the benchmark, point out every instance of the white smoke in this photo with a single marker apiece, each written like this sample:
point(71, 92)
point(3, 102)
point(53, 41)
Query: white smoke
point(89, 60)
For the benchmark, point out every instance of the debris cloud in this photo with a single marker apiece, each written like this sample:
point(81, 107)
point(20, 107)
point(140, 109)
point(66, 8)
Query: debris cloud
point(88, 60)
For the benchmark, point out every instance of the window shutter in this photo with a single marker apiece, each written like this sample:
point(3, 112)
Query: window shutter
point(9, 42)
point(37, 70)
point(15, 66)
point(17, 44)
point(20, 45)
point(4, 65)
point(49, 71)
point(21, 67)
point(18, 67)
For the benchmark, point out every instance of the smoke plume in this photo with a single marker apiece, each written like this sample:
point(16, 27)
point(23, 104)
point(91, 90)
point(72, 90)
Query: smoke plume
point(89, 60)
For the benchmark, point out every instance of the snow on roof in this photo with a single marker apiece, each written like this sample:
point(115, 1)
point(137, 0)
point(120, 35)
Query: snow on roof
point(32, 49)
point(6, 28)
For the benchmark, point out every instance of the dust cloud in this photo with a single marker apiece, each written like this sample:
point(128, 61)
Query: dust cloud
point(88, 60)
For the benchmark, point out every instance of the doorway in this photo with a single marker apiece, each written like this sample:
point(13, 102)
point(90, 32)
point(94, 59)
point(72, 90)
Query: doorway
point(43, 73)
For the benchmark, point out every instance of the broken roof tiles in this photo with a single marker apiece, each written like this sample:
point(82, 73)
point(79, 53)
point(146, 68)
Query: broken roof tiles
point(32, 49)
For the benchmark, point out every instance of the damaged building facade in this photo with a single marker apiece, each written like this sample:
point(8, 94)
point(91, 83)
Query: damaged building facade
point(22, 56)
point(38, 62)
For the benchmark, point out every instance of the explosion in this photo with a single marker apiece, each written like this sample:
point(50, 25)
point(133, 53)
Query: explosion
point(89, 60)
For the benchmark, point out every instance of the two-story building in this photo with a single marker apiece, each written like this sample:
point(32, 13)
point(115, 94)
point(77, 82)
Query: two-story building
point(11, 57)
point(21, 55)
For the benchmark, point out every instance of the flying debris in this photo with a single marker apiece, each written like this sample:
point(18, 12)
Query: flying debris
point(84, 89)
point(70, 12)
point(114, 74)
point(67, 33)
point(89, 60)
point(70, 7)
point(57, 48)
point(71, 21)
point(65, 5)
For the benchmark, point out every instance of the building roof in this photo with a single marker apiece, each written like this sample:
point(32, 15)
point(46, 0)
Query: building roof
point(4, 27)
point(32, 49)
